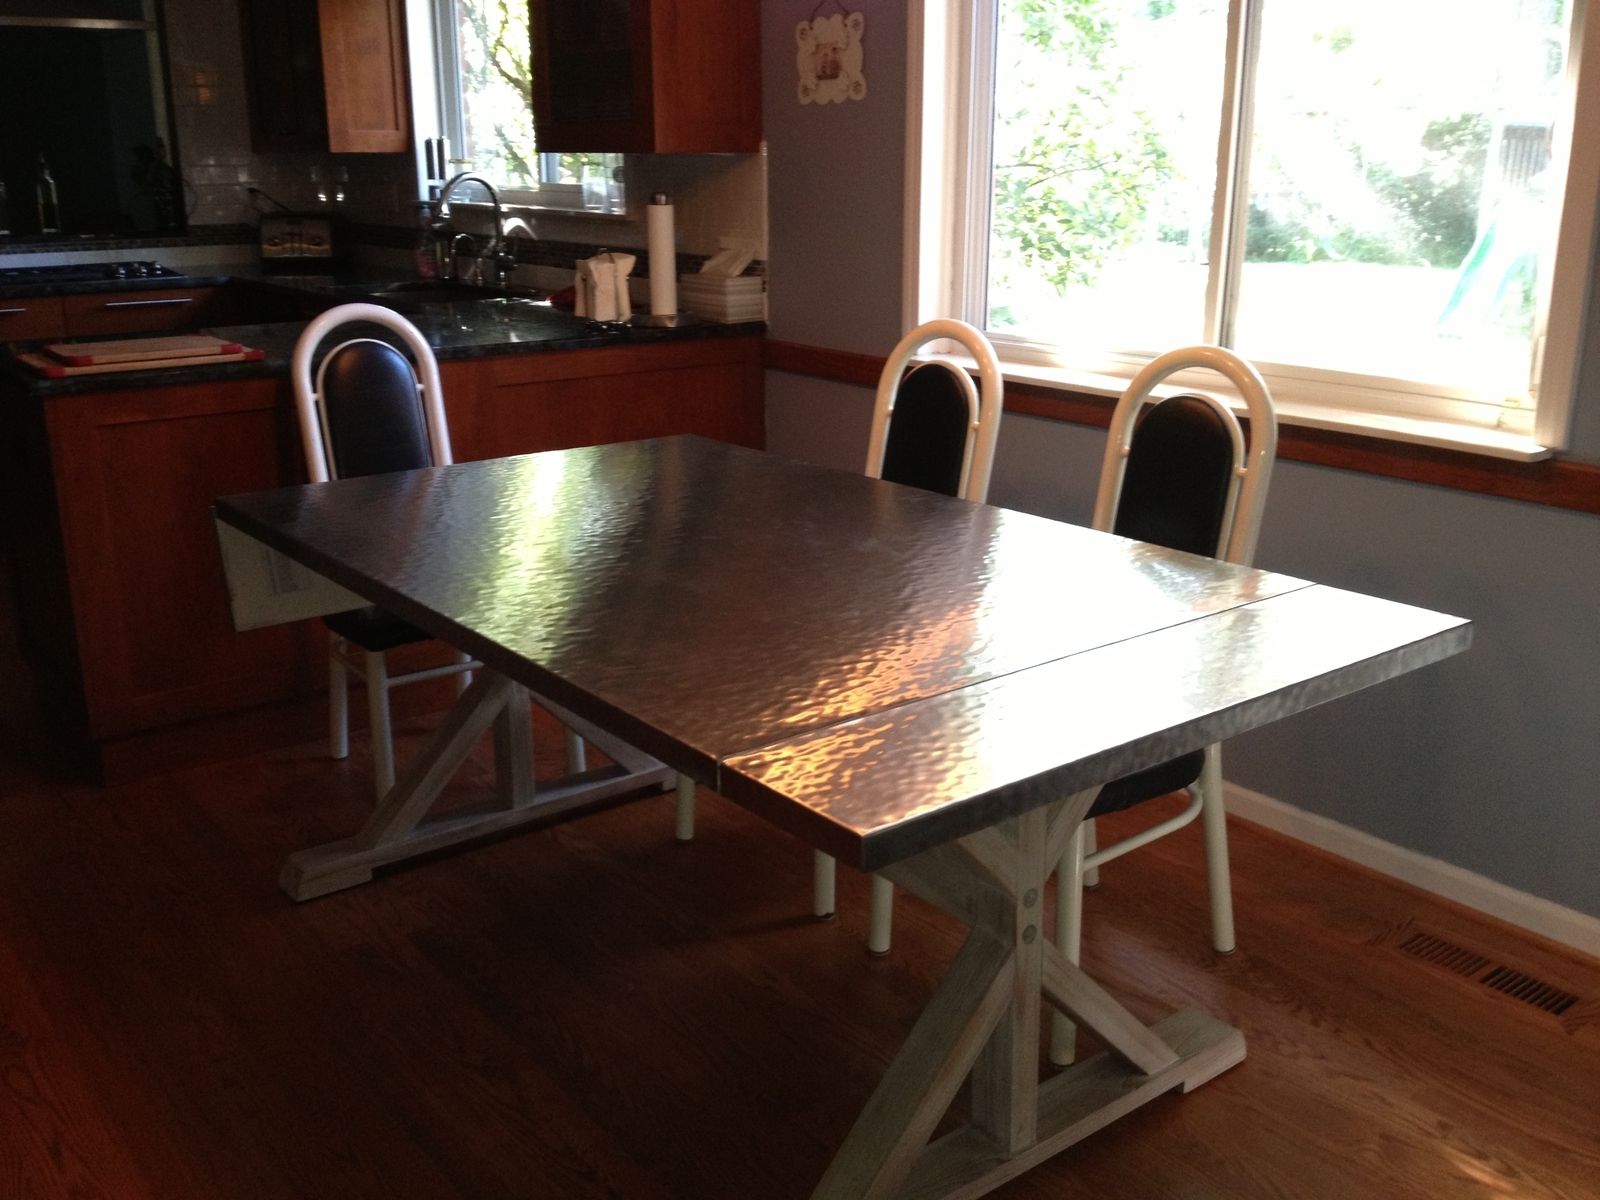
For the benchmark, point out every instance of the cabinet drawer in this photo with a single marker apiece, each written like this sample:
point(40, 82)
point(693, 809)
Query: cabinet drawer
point(36, 317)
point(141, 312)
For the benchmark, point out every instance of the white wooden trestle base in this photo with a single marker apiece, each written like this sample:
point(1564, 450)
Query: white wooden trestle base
point(983, 1023)
point(397, 832)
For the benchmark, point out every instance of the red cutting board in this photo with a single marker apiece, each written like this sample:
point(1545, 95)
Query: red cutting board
point(51, 369)
point(89, 354)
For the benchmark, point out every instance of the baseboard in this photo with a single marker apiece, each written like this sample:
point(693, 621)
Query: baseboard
point(1567, 926)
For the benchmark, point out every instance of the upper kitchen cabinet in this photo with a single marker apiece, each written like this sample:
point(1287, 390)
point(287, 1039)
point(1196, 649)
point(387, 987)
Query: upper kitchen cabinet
point(283, 75)
point(327, 75)
point(647, 76)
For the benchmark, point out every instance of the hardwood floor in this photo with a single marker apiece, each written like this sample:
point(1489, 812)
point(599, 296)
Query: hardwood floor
point(592, 1011)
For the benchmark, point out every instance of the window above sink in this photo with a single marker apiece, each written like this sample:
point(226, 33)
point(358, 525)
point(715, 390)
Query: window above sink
point(472, 81)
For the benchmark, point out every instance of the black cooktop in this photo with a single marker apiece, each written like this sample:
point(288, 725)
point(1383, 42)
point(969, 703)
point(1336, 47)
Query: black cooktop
point(87, 272)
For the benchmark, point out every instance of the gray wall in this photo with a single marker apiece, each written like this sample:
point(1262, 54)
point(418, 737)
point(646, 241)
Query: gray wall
point(1489, 761)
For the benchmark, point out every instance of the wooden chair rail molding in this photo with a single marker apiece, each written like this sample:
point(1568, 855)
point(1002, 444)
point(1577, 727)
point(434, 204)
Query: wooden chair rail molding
point(1556, 482)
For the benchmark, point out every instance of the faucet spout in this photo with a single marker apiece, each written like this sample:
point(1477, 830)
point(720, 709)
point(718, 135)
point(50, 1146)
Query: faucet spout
point(443, 227)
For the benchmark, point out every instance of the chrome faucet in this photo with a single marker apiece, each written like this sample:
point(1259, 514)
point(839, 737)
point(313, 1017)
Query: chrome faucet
point(498, 253)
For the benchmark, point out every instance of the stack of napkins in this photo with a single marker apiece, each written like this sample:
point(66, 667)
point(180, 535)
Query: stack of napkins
point(741, 298)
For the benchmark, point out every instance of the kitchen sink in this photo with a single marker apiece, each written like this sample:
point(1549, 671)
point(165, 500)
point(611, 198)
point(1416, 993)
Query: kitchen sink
point(445, 291)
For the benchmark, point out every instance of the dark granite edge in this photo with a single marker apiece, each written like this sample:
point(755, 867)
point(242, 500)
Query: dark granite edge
point(277, 342)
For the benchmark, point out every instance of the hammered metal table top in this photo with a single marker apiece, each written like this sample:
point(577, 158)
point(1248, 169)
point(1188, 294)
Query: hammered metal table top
point(873, 667)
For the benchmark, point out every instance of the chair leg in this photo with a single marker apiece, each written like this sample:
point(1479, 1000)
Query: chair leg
point(1069, 938)
point(577, 756)
point(822, 884)
point(1213, 818)
point(1091, 843)
point(684, 816)
point(378, 723)
point(338, 700)
point(880, 920)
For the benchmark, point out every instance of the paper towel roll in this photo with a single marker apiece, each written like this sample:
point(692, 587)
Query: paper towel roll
point(663, 256)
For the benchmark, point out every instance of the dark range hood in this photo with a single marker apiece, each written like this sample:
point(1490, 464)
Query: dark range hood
point(84, 90)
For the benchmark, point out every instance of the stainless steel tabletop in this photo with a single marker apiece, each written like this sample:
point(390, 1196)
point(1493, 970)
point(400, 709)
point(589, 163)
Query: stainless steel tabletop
point(873, 667)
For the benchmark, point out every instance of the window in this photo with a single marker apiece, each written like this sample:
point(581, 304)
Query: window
point(485, 109)
point(1379, 204)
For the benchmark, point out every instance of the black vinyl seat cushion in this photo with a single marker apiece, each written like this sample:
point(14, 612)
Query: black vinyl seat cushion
point(374, 412)
point(928, 431)
point(374, 628)
point(1171, 776)
point(1174, 494)
point(1180, 469)
point(376, 424)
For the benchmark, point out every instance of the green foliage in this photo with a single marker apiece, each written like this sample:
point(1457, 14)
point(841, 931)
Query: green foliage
point(1273, 238)
point(1075, 167)
point(1438, 204)
point(496, 73)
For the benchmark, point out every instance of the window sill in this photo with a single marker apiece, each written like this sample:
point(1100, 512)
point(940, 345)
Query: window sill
point(1523, 471)
point(1441, 435)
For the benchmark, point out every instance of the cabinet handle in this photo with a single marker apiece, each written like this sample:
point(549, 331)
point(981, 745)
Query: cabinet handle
point(147, 303)
point(11, 312)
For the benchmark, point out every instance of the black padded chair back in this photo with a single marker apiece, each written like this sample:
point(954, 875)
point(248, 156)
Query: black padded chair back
point(928, 432)
point(1179, 474)
point(375, 421)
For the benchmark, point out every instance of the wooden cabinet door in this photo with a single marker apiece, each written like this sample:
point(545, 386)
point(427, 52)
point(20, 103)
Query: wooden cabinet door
point(27, 317)
point(518, 405)
point(135, 475)
point(283, 75)
point(647, 76)
point(168, 310)
point(364, 76)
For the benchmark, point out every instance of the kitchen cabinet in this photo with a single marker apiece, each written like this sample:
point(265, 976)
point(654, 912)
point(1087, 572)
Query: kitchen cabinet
point(117, 565)
point(647, 76)
point(167, 310)
point(521, 404)
point(26, 317)
point(283, 75)
point(120, 589)
point(327, 75)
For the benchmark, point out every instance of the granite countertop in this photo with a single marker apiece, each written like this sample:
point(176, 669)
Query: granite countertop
point(500, 324)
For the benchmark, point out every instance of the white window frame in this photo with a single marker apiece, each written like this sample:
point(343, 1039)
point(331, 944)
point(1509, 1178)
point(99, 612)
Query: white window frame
point(436, 104)
point(948, 168)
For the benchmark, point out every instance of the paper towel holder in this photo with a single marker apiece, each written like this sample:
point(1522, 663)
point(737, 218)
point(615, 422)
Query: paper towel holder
point(674, 318)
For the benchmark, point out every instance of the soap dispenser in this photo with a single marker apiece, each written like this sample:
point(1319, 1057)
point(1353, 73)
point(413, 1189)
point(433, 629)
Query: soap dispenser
point(44, 190)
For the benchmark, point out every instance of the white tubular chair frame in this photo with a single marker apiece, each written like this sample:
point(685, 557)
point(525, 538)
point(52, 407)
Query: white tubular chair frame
point(308, 392)
point(977, 464)
point(983, 405)
point(372, 667)
point(1241, 527)
point(1241, 522)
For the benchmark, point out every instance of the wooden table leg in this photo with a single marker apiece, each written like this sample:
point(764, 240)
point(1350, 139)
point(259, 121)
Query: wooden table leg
point(984, 1021)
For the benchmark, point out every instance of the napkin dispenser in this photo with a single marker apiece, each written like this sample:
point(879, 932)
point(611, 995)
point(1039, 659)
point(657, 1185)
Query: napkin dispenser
point(602, 287)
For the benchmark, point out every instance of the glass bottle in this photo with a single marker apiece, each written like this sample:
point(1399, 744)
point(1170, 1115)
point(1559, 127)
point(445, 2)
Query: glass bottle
point(45, 193)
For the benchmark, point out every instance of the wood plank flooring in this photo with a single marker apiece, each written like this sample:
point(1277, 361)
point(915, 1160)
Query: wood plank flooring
point(592, 1011)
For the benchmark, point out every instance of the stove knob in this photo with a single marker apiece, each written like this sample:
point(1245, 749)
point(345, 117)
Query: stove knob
point(119, 270)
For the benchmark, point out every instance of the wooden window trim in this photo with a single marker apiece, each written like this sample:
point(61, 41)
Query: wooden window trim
point(1553, 482)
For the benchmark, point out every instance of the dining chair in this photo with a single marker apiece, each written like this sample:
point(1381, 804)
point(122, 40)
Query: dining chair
point(1179, 474)
point(365, 408)
point(934, 429)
